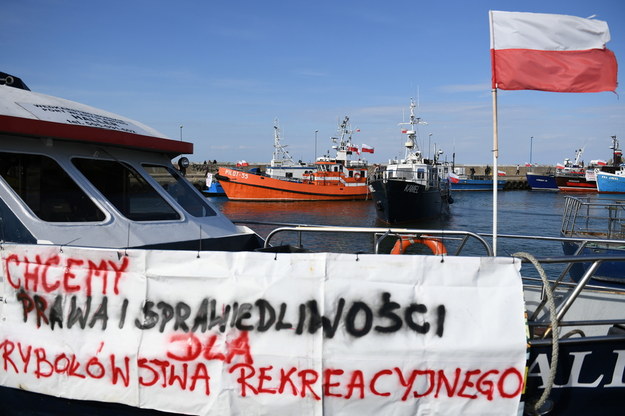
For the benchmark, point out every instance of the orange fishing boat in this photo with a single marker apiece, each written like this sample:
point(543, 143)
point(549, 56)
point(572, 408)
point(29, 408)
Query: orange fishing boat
point(329, 179)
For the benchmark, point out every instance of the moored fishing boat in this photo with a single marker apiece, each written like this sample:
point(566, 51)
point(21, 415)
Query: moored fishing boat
point(573, 176)
point(331, 178)
point(611, 183)
point(213, 187)
point(476, 184)
point(414, 188)
point(125, 292)
point(540, 182)
point(460, 181)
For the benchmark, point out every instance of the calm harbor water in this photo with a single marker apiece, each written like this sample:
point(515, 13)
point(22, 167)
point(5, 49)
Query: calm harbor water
point(520, 212)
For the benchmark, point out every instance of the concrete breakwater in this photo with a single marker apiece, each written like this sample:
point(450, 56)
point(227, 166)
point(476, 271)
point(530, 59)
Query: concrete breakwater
point(514, 174)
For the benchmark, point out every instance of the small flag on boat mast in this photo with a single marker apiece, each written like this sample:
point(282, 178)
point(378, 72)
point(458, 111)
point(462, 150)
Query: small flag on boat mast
point(550, 52)
point(365, 148)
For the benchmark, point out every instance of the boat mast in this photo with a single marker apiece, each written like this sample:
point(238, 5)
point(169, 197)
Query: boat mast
point(578, 156)
point(344, 141)
point(412, 149)
point(280, 155)
point(617, 155)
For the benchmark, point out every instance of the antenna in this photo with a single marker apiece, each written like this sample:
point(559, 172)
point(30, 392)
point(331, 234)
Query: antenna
point(418, 98)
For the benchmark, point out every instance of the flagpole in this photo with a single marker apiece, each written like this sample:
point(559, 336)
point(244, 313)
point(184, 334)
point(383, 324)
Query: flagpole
point(495, 169)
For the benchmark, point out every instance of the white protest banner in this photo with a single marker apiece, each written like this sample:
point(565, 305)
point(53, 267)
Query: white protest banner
point(264, 333)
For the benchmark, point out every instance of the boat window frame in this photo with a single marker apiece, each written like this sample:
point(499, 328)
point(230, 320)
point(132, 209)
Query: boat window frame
point(190, 194)
point(173, 213)
point(85, 195)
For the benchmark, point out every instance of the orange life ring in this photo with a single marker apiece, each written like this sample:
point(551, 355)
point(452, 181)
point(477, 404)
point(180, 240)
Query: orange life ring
point(357, 176)
point(434, 244)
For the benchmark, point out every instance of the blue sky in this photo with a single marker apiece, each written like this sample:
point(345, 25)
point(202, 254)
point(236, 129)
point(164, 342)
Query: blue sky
point(226, 69)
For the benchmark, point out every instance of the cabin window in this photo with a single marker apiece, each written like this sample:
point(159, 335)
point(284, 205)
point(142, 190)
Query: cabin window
point(47, 189)
point(128, 191)
point(351, 173)
point(180, 190)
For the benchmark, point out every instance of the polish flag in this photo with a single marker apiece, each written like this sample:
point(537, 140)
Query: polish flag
point(453, 178)
point(550, 52)
point(501, 173)
point(353, 149)
point(365, 148)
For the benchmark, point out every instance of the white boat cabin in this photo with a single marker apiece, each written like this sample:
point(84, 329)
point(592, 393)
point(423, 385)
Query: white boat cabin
point(71, 174)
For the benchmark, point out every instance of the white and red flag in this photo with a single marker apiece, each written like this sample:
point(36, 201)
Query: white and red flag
point(550, 52)
point(353, 149)
point(365, 148)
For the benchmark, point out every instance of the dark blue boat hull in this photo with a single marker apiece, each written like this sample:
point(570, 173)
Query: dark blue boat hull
point(403, 202)
point(477, 185)
point(608, 274)
point(215, 189)
point(17, 402)
point(542, 182)
point(588, 378)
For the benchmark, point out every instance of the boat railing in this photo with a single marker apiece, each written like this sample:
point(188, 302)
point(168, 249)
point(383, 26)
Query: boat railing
point(601, 218)
point(574, 288)
point(461, 238)
point(577, 256)
point(379, 234)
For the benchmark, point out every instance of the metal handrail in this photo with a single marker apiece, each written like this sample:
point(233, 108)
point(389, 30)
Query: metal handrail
point(382, 232)
point(585, 216)
point(577, 239)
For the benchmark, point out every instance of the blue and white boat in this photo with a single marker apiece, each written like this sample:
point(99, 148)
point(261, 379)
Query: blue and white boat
point(611, 183)
point(213, 187)
point(476, 183)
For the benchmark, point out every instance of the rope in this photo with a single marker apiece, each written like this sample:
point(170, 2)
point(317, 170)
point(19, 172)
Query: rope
point(551, 304)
